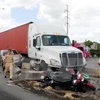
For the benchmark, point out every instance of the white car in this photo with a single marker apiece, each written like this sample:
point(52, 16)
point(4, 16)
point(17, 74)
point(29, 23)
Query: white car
point(17, 57)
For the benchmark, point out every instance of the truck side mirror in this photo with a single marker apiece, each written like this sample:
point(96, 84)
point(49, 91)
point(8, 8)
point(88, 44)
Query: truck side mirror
point(34, 42)
point(37, 47)
point(73, 42)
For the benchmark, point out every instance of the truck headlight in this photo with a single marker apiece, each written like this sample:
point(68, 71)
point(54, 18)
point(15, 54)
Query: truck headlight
point(84, 62)
point(54, 62)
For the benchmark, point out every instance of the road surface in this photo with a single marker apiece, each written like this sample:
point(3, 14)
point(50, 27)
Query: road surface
point(12, 92)
point(92, 63)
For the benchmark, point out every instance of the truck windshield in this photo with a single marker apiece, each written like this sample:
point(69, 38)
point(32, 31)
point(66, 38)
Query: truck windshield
point(55, 40)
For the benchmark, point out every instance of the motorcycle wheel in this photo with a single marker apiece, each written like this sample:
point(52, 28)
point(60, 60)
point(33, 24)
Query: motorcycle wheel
point(43, 66)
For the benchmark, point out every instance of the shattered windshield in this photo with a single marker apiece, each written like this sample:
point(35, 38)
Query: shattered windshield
point(55, 40)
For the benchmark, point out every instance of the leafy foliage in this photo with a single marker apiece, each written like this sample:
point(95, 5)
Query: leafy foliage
point(95, 52)
point(98, 46)
point(88, 43)
point(92, 52)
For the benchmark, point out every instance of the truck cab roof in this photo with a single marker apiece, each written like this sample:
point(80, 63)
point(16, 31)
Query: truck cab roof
point(45, 28)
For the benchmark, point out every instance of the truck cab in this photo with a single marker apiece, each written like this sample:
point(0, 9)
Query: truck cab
point(50, 47)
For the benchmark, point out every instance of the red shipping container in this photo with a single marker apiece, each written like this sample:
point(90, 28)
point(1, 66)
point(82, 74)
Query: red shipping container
point(15, 38)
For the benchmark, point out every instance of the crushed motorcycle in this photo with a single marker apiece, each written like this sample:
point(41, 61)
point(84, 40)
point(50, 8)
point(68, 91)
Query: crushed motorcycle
point(67, 79)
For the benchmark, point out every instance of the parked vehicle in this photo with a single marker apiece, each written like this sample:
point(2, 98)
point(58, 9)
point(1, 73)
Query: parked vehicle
point(17, 57)
point(66, 79)
point(85, 51)
point(46, 45)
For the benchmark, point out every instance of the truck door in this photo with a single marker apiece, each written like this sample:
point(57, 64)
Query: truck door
point(31, 47)
point(34, 47)
point(38, 48)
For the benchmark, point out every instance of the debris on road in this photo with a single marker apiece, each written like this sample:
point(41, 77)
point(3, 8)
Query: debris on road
point(29, 80)
point(34, 86)
point(93, 72)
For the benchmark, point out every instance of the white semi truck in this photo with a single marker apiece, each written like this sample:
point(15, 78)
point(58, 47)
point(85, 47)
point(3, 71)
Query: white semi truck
point(50, 47)
point(46, 45)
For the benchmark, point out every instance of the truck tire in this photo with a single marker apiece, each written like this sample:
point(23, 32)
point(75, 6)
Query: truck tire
point(33, 66)
point(43, 66)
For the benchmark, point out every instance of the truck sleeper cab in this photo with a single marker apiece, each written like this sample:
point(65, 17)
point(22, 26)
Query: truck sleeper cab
point(51, 48)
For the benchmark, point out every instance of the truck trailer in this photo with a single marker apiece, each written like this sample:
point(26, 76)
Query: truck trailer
point(46, 45)
point(15, 38)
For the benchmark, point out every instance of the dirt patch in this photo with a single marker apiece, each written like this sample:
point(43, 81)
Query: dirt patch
point(53, 94)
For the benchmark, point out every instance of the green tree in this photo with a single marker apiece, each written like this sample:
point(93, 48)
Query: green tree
point(98, 46)
point(75, 41)
point(88, 43)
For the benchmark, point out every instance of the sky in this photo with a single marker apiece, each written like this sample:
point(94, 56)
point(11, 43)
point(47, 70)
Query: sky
point(84, 16)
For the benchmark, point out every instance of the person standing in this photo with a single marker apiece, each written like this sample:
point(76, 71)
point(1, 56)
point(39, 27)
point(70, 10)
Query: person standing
point(9, 63)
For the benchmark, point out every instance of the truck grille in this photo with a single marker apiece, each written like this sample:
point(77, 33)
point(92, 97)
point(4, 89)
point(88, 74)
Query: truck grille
point(71, 59)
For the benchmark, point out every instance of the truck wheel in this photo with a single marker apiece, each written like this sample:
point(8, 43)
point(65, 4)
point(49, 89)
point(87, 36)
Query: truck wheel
point(43, 66)
point(33, 66)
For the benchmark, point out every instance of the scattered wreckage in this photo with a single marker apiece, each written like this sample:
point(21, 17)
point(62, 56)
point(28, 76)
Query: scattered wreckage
point(64, 84)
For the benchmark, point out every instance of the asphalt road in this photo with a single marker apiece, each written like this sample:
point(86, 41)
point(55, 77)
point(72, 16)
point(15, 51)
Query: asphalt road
point(92, 63)
point(6, 96)
point(12, 92)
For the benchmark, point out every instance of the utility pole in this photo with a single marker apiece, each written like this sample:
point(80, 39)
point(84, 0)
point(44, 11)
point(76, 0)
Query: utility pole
point(67, 17)
point(2, 8)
